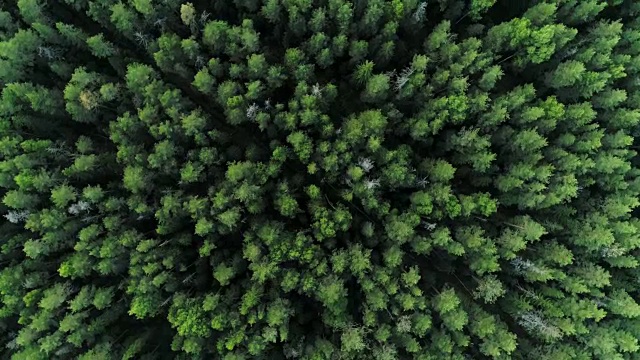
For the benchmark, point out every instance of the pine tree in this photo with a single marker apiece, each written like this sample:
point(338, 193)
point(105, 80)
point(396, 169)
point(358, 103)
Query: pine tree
point(301, 179)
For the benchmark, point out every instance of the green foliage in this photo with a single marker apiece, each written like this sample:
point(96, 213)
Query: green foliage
point(100, 47)
point(384, 179)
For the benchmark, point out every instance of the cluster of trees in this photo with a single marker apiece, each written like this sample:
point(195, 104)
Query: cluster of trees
point(328, 179)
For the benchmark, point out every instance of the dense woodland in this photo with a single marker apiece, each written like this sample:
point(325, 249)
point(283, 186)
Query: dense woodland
point(319, 179)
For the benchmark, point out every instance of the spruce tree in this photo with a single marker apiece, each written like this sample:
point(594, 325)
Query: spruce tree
point(319, 179)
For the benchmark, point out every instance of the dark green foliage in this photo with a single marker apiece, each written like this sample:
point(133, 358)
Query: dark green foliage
point(328, 179)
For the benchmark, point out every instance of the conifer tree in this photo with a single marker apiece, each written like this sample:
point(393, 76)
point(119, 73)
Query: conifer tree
point(335, 179)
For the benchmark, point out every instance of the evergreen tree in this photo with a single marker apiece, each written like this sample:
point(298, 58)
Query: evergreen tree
point(384, 179)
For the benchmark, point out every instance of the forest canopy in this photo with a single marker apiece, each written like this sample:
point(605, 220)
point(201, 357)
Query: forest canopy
point(320, 179)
